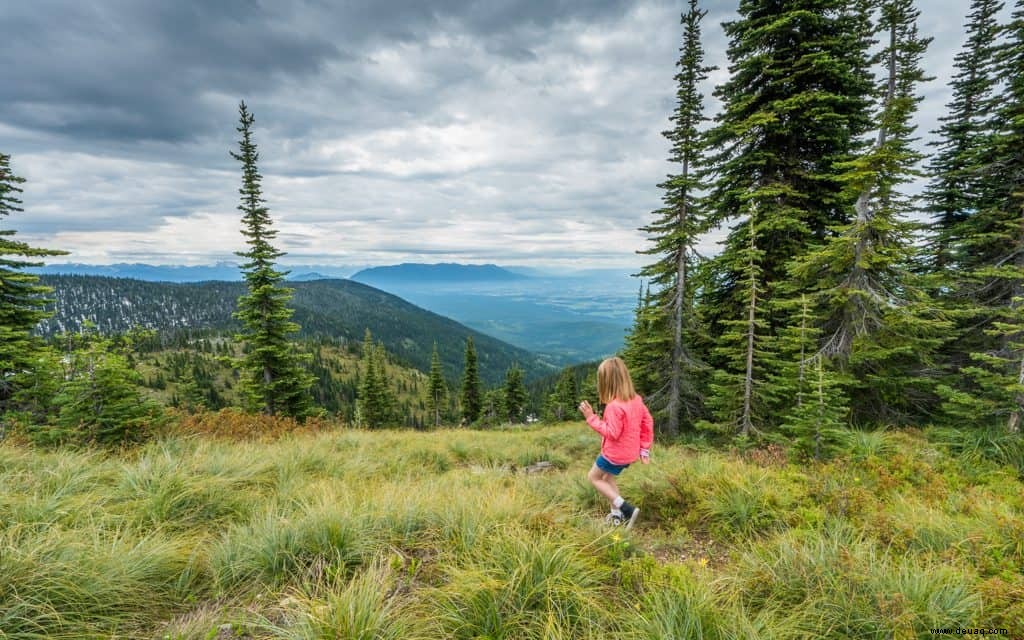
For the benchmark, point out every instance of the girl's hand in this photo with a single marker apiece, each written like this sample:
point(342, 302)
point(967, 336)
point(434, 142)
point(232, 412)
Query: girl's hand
point(586, 409)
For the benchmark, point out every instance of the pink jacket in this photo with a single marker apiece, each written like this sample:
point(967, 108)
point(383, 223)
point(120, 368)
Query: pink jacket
point(627, 428)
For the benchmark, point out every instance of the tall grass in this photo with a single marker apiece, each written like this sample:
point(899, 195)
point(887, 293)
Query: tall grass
point(442, 534)
point(995, 444)
point(91, 583)
point(516, 585)
point(365, 607)
point(850, 587)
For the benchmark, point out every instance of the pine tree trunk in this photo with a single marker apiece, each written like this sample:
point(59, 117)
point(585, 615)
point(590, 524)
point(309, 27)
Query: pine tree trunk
point(675, 383)
point(821, 414)
point(268, 377)
point(1013, 425)
point(803, 352)
point(675, 388)
point(748, 382)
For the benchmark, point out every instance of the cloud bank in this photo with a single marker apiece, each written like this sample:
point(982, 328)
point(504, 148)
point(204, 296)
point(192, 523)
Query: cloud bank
point(524, 132)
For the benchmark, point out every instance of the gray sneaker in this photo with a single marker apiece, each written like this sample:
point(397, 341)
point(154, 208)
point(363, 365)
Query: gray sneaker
point(630, 514)
point(615, 518)
point(632, 517)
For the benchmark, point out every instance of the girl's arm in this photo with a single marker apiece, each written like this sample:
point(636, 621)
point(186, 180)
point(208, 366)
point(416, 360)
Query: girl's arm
point(646, 435)
point(612, 424)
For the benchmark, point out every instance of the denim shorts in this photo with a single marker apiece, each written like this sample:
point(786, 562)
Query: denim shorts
point(609, 467)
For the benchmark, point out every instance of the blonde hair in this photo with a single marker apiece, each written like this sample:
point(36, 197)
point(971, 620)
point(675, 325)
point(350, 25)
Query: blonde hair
point(613, 381)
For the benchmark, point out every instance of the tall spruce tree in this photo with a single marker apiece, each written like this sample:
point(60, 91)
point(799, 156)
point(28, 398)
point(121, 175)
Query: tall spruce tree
point(985, 237)
point(959, 180)
point(995, 390)
point(376, 405)
point(876, 322)
point(647, 347)
point(677, 228)
point(736, 397)
point(472, 399)
point(22, 299)
point(367, 380)
point(274, 382)
point(963, 185)
point(562, 401)
point(437, 390)
point(796, 104)
point(514, 394)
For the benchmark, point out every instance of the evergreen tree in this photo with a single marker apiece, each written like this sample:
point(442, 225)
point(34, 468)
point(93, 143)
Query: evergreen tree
point(100, 401)
point(562, 401)
point(677, 228)
point(492, 406)
point(191, 395)
point(736, 390)
point(275, 381)
point(994, 393)
point(959, 184)
point(796, 104)
point(22, 299)
point(648, 353)
point(804, 388)
point(963, 185)
point(388, 403)
point(36, 388)
point(995, 389)
point(437, 390)
point(648, 348)
point(817, 424)
point(988, 238)
point(472, 401)
point(376, 403)
point(876, 322)
point(793, 349)
point(514, 400)
point(588, 391)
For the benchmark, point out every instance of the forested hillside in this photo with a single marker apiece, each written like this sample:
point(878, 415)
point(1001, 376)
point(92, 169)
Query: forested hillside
point(338, 309)
point(192, 373)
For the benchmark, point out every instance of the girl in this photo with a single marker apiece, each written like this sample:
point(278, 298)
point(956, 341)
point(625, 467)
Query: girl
point(627, 432)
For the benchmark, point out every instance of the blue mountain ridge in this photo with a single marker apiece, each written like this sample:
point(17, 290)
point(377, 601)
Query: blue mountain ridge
point(443, 272)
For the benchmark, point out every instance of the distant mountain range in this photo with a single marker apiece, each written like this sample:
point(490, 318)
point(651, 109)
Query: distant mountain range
point(569, 316)
point(337, 308)
point(436, 273)
point(182, 273)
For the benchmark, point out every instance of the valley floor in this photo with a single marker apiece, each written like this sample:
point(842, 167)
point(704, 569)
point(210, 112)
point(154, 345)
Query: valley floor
point(407, 535)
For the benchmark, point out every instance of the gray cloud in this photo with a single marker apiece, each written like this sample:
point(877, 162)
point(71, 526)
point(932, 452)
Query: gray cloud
point(520, 132)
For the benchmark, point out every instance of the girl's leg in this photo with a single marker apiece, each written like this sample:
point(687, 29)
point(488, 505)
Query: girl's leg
point(610, 479)
point(602, 483)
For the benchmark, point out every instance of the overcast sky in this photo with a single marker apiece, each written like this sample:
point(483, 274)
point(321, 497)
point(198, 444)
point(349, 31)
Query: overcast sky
point(521, 133)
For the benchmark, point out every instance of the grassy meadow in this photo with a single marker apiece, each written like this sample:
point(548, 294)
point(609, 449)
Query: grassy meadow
point(406, 535)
